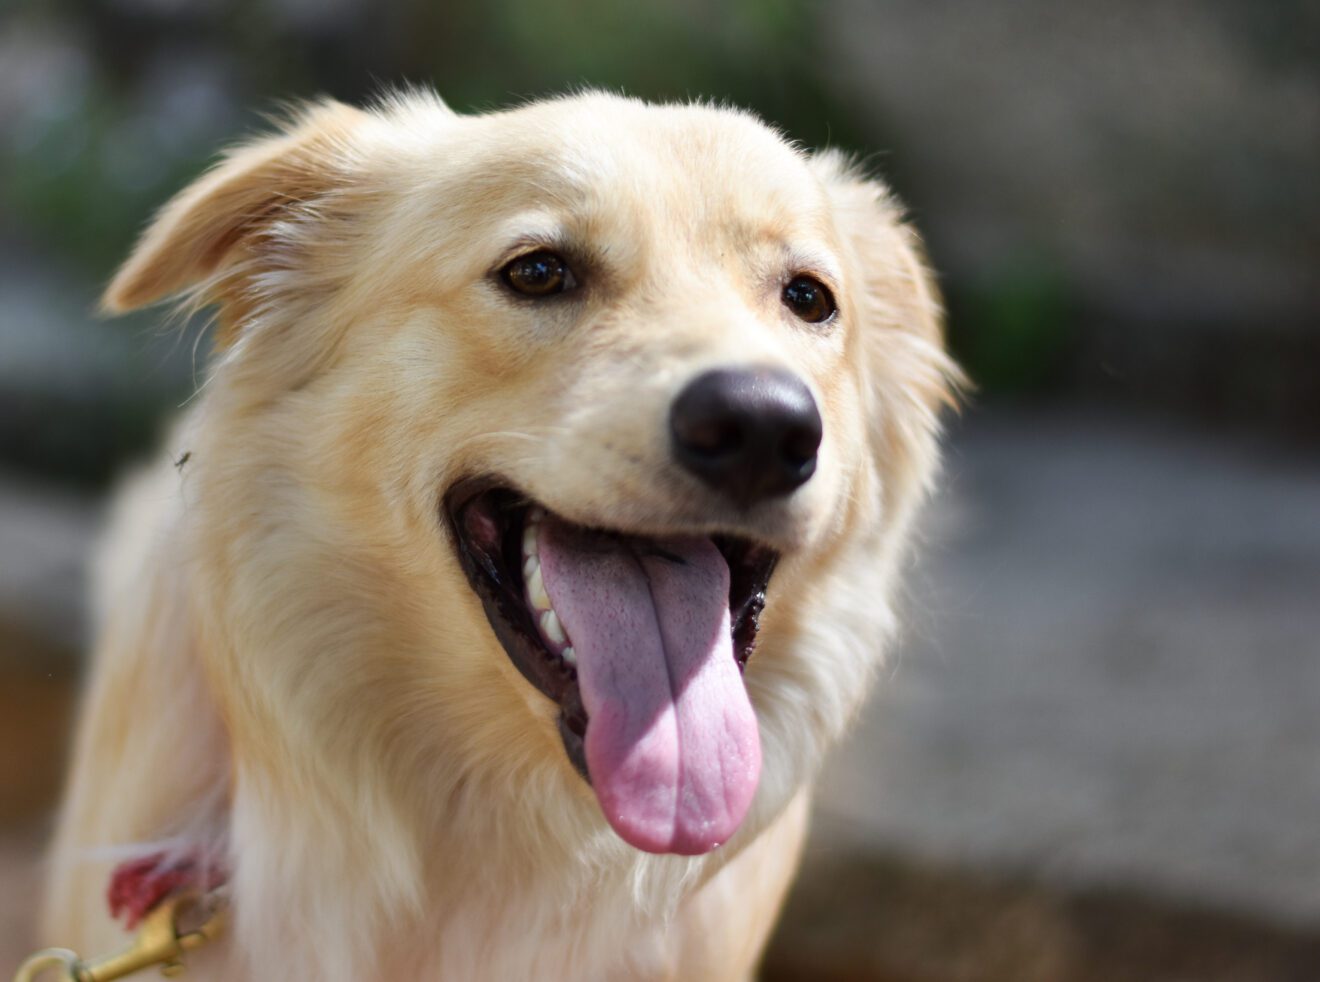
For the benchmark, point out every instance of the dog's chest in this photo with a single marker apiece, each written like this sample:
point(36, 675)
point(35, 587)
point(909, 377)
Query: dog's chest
point(491, 941)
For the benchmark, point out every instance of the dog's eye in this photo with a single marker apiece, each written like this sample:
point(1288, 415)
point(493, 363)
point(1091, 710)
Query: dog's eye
point(809, 299)
point(538, 274)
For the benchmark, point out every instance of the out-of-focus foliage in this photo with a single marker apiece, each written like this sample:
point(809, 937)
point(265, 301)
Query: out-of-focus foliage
point(1014, 324)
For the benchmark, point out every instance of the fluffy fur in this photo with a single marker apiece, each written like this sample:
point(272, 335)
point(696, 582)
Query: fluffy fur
point(292, 675)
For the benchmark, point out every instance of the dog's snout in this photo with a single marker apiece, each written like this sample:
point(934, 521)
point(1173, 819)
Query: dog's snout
point(751, 434)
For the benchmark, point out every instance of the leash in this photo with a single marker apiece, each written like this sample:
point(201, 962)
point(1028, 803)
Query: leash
point(161, 940)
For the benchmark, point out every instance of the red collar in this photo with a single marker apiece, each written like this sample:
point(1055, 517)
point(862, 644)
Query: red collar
point(137, 887)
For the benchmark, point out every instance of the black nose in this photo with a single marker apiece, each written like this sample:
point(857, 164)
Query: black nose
point(749, 434)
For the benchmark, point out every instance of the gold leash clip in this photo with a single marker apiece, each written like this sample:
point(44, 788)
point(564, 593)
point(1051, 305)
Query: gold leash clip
point(159, 941)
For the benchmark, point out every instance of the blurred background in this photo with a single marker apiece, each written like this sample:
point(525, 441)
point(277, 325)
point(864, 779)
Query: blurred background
point(1096, 754)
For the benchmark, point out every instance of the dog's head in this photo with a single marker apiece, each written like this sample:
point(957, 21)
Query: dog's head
point(581, 437)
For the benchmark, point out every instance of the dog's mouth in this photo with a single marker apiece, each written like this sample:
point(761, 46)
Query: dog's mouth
point(641, 641)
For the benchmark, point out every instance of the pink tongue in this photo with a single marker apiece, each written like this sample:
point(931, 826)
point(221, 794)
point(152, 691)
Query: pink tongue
point(672, 745)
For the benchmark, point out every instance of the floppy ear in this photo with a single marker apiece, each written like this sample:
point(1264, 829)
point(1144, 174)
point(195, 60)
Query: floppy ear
point(223, 218)
point(900, 337)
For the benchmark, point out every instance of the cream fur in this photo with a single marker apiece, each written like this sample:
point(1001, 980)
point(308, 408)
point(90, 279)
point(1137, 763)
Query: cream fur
point(291, 669)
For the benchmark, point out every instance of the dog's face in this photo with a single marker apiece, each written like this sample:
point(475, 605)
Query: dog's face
point(595, 427)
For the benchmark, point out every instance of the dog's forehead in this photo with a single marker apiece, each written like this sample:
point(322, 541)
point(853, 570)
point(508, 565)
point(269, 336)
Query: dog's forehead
point(614, 158)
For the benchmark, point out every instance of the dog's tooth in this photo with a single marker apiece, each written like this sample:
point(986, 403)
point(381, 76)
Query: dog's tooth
point(530, 565)
point(529, 538)
point(536, 590)
point(551, 628)
point(569, 655)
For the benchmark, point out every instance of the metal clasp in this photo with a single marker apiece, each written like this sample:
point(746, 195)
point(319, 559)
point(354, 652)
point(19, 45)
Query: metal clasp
point(159, 941)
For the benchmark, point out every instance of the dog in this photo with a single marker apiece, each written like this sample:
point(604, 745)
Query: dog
point(535, 533)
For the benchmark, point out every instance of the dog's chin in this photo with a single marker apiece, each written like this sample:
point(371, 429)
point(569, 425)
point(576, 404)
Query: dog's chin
point(516, 553)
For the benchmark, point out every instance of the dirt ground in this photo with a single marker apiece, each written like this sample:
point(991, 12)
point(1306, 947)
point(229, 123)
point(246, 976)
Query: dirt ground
point(893, 919)
point(36, 705)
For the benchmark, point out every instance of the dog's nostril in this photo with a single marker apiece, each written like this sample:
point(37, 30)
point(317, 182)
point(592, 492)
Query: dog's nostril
point(751, 434)
point(800, 445)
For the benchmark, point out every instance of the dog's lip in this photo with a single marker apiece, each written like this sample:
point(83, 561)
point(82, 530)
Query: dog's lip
point(465, 489)
point(512, 623)
point(500, 589)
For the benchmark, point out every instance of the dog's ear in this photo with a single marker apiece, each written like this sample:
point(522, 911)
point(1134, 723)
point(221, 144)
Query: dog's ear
point(900, 340)
point(224, 216)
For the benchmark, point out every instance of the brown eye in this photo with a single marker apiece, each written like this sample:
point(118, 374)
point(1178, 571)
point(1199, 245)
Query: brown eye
point(809, 299)
point(538, 274)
